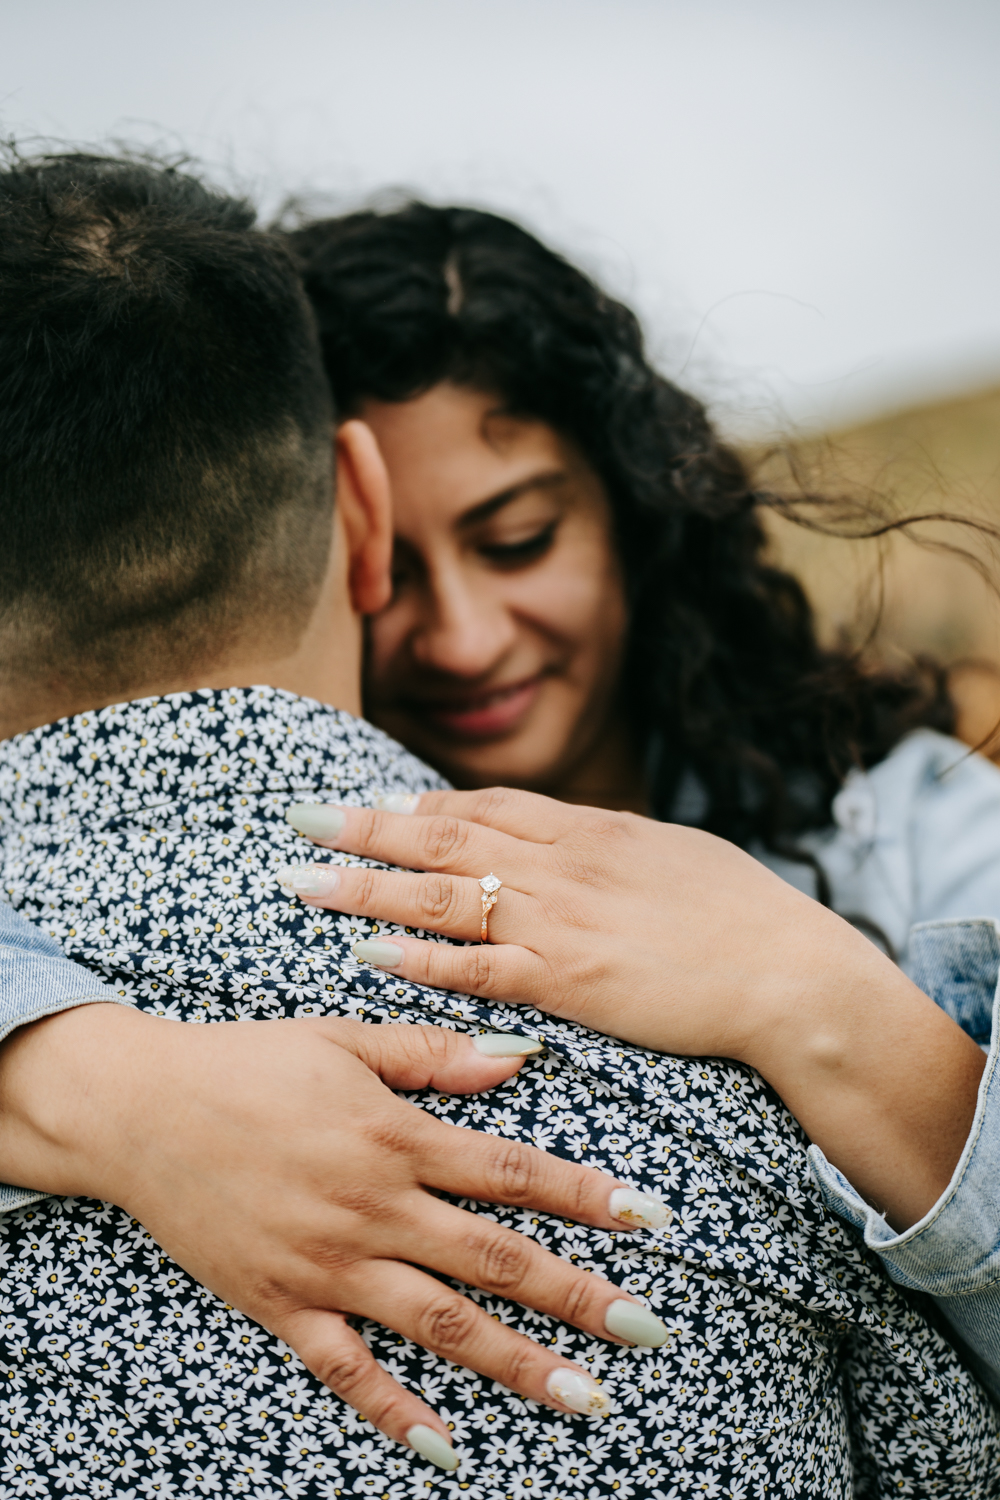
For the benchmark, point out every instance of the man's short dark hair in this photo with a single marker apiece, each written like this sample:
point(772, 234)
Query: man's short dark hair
point(165, 424)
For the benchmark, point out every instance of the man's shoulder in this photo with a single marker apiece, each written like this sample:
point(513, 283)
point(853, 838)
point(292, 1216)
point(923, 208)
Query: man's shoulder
point(191, 743)
point(170, 891)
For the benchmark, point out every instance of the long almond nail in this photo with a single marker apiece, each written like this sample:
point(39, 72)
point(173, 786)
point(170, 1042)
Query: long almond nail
point(397, 802)
point(382, 955)
point(578, 1391)
point(499, 1044)
point(317, 820)
point(636, 1324)
point(432, 1446)
point(642, 1210)
point(309, 880)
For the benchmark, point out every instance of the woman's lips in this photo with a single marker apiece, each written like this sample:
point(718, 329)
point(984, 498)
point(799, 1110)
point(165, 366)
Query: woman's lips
point(486, 714)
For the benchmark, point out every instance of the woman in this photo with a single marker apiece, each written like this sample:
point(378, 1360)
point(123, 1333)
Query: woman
point(583, 604)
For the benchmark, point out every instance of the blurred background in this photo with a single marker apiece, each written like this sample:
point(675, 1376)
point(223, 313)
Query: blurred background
point(799, 199)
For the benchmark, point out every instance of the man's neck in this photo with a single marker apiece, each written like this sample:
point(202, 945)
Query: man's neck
point(324, 664)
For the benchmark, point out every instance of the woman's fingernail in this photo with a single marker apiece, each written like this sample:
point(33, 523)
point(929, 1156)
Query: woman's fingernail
point(317, 820)
point(632, 1321)
point(382, 955)
point(499, 1044)
point(397, 802)
point(641, 1209)
point(432, 1446)
point(578, 1391)
point(309, 880)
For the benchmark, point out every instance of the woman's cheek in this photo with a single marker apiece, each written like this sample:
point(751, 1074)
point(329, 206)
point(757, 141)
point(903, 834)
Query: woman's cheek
point(578, 599)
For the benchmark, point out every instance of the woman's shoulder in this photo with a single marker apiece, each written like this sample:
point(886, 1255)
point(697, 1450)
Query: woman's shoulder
point(927, 779)
point(917, 837)
point(925, 774)
point(928, 758)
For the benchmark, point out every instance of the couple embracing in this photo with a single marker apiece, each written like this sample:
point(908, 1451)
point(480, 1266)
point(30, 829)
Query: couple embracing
point(237, 1261)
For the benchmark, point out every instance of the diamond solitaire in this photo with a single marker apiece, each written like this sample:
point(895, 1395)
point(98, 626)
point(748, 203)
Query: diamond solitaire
point(490, 886)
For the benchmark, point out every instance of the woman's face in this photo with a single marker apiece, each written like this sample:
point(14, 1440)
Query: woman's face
point(498, 656)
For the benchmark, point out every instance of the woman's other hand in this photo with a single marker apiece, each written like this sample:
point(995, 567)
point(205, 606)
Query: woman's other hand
point(273, 1162)
point(675, 940)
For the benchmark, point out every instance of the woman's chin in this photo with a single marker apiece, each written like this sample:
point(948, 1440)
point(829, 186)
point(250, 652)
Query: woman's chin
point(523, 751)
point(520, 760)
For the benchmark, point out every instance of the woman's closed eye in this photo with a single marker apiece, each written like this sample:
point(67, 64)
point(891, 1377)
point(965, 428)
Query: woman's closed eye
point(519, 553)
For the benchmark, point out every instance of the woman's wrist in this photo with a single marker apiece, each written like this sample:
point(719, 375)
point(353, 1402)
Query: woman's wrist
point(70, 1090)
point(876, 1074)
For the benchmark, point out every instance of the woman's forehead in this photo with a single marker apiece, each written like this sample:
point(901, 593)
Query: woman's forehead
point(454, 449)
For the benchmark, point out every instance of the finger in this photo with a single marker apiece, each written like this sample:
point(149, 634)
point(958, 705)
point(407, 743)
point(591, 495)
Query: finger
point(522, 815)
point(449, 904)
point(438, 1318)
point(342, 1360)
point(444, 844)
point(506, 1264)
point(491, 1169)
point(491, 971)
point(421, 1057)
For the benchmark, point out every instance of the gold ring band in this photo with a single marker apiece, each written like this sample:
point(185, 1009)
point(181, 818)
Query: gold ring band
point(490, 888)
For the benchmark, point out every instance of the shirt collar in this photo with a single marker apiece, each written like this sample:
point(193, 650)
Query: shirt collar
point(207, 746)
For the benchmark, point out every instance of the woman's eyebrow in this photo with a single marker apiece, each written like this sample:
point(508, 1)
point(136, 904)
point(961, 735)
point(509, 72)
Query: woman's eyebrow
point(483, 509)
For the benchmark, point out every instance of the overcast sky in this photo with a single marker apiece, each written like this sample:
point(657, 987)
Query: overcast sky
point(800, 197)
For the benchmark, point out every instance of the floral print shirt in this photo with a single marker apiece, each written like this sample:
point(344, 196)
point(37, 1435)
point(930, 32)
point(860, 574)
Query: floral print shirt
point(145, 839)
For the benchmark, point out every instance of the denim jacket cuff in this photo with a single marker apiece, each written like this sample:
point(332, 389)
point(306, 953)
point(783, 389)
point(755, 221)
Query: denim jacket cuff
point(953, 1250)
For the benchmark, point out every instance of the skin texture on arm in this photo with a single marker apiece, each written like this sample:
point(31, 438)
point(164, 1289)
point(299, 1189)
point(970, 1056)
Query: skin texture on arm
point(673, 939)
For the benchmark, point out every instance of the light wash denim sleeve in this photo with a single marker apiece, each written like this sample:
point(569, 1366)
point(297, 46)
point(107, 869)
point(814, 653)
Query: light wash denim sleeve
point(953, 1252)
point(36, 980)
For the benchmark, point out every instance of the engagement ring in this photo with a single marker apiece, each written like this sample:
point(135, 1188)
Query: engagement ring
point(490, 886)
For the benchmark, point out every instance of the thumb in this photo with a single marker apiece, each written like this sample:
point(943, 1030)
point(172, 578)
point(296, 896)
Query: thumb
point(422, 1057)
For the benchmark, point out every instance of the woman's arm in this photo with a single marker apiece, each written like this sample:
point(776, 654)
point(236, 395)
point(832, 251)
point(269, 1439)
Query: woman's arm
point(670, 938)
point(678, 941)
point(272, 1161)
point(37, 980)
point(953, 1252)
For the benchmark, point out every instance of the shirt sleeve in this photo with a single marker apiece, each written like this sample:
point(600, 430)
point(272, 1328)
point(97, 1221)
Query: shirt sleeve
point(36, 980)
point(953, 1252)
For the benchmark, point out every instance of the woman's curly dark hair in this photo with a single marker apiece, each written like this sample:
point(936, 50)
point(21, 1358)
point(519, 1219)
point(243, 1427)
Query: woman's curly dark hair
point(724, 675)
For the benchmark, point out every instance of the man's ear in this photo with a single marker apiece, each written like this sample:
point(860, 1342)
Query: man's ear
point(364, 498)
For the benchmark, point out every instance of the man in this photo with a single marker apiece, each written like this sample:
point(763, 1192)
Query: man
point(172, 543)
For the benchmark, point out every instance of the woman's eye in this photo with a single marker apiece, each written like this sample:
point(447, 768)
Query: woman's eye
point(517, 554)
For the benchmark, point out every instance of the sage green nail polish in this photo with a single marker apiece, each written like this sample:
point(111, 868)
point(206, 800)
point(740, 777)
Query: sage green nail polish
point(632, 1321)
point(499, 1044)
point(432, 1446)
point(382, 955)
point(317, 820)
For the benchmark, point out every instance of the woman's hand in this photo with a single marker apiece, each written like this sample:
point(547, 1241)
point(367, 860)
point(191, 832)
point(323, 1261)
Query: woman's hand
point(272, 1161)
point(658, 934)
point(667, 937)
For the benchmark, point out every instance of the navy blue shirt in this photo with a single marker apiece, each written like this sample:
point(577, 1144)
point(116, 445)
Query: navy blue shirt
point(145, 840)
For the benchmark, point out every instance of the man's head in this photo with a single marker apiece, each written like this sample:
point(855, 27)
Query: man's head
point(165, 433)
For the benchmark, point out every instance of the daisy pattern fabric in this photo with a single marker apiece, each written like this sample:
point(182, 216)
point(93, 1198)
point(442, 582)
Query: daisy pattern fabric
point(145, 838)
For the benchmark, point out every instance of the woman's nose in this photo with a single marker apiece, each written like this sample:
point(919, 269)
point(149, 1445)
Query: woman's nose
point(466, 632)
